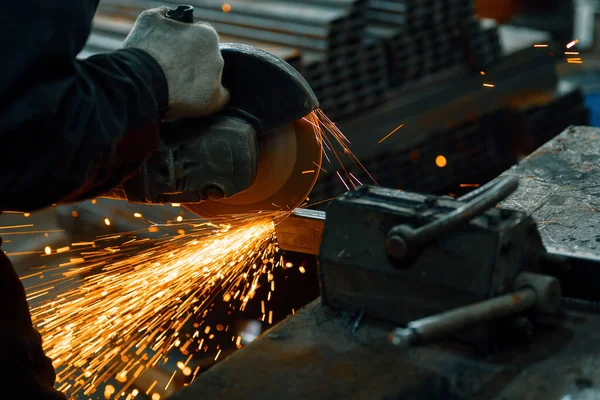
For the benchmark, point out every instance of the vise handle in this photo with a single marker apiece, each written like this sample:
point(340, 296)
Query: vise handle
point(541, 293)
point(401, 239)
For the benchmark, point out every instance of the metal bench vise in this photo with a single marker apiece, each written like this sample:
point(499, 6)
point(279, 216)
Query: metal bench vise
point(435, 264)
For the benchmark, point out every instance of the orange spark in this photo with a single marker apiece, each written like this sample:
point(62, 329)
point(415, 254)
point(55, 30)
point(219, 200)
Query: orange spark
point(332, 139)
point(16, 226)
point(129, 311)
point(158, 289)
point(391, 133)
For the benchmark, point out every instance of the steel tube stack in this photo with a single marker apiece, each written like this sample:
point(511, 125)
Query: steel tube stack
point(423, 37)
point(352, 52)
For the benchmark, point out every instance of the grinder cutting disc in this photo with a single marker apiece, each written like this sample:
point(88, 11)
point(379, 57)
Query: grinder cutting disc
point(289, 163)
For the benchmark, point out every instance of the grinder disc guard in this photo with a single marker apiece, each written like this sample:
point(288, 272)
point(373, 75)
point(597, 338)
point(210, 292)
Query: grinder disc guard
point(289, 162)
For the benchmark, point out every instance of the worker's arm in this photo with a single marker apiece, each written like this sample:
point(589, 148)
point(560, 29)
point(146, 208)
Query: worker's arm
point(72, 129)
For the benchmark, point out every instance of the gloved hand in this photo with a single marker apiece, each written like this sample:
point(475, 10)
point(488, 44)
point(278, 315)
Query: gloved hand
point(190, 58)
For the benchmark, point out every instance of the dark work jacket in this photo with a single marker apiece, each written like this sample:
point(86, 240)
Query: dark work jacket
point(70, 129)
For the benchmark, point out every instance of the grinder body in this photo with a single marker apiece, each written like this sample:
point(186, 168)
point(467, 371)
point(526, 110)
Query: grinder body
point(250, 156)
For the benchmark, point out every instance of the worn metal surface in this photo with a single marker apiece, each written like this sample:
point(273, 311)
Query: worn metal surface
point(316, 355)
point(322, 354)
point(560, 188)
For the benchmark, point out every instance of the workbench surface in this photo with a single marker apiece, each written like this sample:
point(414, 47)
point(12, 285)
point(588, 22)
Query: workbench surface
point(560, 187)
point(320, 353)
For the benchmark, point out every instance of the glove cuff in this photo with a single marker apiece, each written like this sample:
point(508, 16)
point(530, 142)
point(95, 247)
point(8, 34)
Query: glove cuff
point(159, 80)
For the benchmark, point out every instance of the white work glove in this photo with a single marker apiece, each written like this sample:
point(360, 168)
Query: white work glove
point(190, 59)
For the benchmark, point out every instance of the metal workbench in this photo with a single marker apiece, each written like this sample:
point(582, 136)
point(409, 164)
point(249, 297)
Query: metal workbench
point(320, 353)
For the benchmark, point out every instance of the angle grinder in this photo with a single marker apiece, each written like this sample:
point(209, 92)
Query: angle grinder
point(255, 155)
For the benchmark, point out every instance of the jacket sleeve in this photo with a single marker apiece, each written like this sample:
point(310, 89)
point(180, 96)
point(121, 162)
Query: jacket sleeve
point(70, 129)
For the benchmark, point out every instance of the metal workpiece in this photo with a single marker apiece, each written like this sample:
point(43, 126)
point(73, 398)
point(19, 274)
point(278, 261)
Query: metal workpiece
point(450, 322)
point(302, 231)
point(402, 239)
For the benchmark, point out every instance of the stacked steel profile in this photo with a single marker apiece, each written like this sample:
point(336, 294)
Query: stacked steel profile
point(352, 52)
point(423, 37)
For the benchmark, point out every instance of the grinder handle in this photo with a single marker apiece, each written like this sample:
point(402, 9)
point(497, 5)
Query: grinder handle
point(183, 13)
